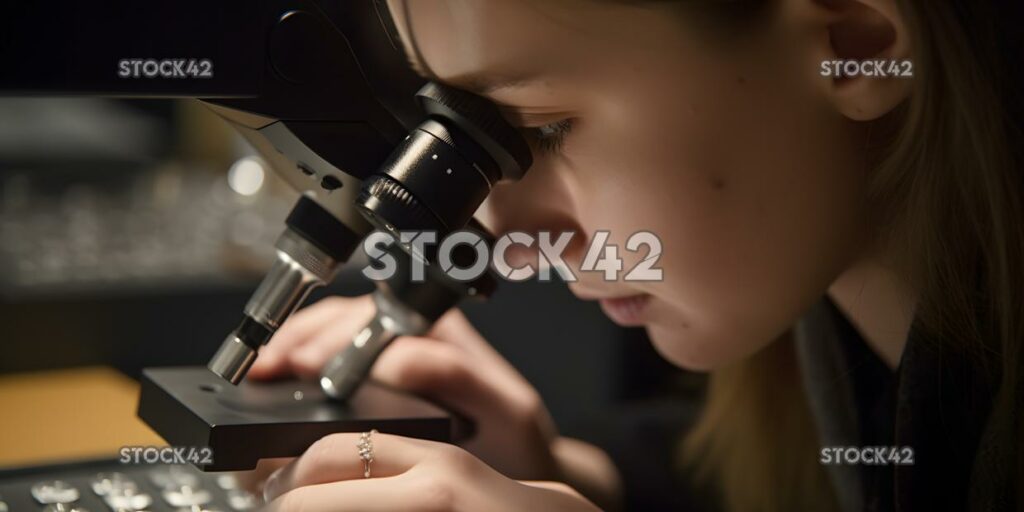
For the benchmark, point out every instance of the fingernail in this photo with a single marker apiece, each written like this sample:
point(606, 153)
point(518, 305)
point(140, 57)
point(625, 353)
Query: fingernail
point(270, 490)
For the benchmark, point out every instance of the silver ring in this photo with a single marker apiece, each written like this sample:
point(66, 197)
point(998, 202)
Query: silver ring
point(365, 446)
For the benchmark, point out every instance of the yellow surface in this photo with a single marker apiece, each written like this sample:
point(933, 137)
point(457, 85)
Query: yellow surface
point(48, 417)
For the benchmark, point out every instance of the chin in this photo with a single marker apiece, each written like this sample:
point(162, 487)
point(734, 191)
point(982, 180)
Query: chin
point(686, 349)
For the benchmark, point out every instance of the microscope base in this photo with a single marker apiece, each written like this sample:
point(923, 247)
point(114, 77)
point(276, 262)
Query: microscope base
point(192, 407)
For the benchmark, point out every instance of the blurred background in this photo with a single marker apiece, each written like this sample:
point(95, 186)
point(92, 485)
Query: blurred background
point(132, 233)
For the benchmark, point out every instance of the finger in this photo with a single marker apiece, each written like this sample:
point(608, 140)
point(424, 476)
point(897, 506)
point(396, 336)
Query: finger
point(308, 359)
point(455, 328)
point(451, 376)
point(367, 495)
point(558, 496)
point(424, 366)
point(558, 487)
point(253, 480)
point(430, 492)
point(471, 368)
point(297, 330)
point(336, 457)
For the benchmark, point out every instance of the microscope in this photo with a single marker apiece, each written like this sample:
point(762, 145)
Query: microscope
point(322, 90)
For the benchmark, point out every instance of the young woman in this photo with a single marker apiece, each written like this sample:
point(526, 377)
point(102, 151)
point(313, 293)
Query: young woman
point(845, 255)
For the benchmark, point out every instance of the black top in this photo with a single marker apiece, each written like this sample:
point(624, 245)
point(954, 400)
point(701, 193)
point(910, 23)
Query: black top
point(936, 403)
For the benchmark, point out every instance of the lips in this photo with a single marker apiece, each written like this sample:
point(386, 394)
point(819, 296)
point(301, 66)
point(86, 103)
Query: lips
point(627, 311)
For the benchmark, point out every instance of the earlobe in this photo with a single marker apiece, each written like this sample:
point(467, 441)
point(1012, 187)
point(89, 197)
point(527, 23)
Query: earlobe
point(868, 68)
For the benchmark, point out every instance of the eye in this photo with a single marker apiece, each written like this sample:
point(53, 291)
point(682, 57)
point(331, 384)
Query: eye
point(550, 137)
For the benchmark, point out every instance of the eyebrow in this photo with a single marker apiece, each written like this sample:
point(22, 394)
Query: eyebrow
point(482, 82)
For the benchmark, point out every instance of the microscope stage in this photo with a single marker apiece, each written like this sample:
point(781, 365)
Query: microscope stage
point(192, 407)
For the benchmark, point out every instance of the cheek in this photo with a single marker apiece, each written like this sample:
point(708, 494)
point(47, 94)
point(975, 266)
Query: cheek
point(755, 192)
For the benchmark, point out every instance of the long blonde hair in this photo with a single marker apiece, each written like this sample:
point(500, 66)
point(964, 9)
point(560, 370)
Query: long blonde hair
point(947, 185)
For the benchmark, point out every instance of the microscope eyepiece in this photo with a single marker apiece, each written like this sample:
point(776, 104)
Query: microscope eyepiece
point(480, 119)
point(444, 169)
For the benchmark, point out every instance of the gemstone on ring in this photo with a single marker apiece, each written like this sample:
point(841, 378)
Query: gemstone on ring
point(365, 446)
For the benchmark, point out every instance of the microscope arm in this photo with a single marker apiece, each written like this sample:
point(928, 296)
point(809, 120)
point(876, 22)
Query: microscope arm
point(320, 88)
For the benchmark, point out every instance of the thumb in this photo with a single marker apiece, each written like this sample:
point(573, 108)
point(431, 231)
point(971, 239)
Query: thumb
point(437, 370)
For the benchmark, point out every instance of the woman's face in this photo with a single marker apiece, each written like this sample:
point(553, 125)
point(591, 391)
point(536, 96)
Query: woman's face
point(724, 146)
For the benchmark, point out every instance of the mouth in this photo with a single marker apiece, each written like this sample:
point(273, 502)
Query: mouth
point(629, 311)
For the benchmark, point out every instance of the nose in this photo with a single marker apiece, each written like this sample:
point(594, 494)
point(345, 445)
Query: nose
point(543, 200)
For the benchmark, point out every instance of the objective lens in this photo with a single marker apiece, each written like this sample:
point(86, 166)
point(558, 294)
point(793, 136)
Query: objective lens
point(308, 253)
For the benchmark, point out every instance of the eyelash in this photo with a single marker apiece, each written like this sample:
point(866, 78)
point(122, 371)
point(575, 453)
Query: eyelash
point(551, 137)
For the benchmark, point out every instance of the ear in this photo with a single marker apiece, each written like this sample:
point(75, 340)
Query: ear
point(871, 33)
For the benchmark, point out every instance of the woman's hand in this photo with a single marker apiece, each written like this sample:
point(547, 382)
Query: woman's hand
point(406, 474)
point(451, 365)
